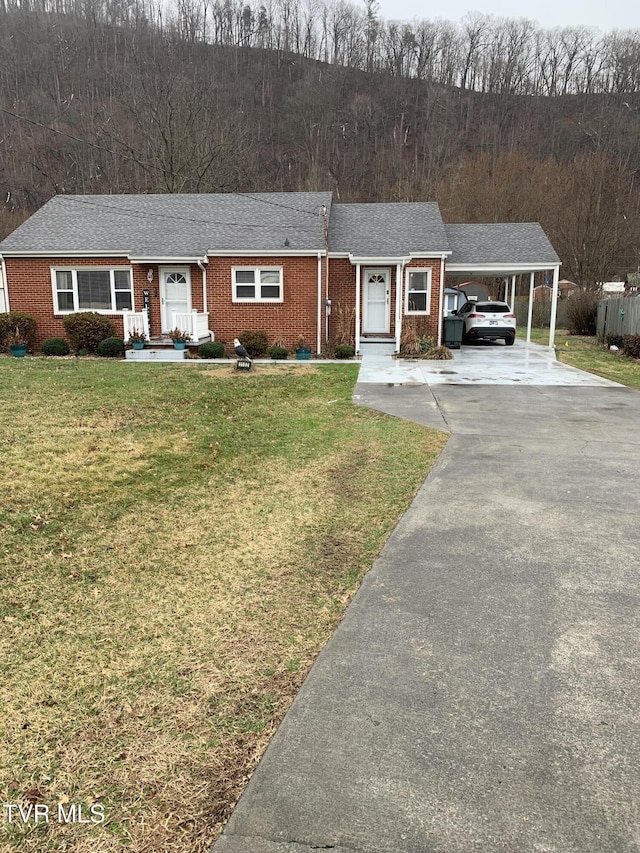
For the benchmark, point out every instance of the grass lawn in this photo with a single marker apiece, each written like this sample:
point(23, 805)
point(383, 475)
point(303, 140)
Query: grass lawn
point(587, 354)
point(176, 545)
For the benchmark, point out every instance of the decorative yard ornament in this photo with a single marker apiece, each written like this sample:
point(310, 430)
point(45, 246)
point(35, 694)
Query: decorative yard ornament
point(244, 361)
point(240, 350)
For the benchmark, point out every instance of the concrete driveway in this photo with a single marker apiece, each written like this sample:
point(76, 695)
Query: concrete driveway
point(483, 363)
point(482, 691)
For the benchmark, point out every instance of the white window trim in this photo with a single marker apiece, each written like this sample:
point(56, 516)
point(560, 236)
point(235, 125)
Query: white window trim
point(429, 273)
point(74, 276)
point(257, 271)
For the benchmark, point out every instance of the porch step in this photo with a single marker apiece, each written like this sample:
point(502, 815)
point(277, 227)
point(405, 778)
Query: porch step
point(150, 354)
point(388, 340)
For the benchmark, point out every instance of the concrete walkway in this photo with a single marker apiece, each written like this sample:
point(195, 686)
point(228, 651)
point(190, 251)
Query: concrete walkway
point(482, 691)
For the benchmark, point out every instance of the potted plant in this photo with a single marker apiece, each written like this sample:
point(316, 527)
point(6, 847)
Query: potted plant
point(137, 338)
point(179, 338)
point(303, 352)
point(17, 343)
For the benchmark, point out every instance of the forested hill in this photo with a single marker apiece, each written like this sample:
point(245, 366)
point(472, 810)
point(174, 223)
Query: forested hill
point(497, 119)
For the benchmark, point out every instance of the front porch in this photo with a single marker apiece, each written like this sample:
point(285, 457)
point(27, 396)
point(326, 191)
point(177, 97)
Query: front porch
point(194, 323)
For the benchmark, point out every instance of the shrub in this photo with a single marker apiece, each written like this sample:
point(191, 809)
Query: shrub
point(631, 346)
point(111, 348)
point(344, 351)
point(277, 351)
point(581, 312)
point(409, 338)
point(614, 340)
point(255, 343)
point(87, 329)
point(212, 349)
point(440, 354)
point(25, 323)
point(55, 346)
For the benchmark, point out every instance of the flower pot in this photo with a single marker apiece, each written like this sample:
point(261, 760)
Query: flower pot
point(179, 344)
point(303, 354)
point(137, 344)
point(18, 351)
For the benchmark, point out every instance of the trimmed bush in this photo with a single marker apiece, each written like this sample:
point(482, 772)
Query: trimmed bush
point(25, 323)
point(631, 346)
point(55, 346)
point(344, 351)
point(87, 330)
point(255, 343)
point(111, 348)
point(277, 352)
point(581, 310)
point(212, 349)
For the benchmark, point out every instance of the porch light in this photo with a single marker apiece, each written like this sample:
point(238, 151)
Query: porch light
point(150, 274)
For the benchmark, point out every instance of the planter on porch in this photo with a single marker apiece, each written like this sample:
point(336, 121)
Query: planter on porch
point(18, 351)
point(137, 344)
point(303, 354)
point(179, 344)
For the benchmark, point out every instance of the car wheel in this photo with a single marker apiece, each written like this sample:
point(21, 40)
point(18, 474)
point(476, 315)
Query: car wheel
point(509, 341)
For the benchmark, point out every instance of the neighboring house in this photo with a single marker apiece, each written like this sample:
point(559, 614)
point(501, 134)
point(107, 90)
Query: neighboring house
point(289, 263)
point(544, 292)
point(612, 288)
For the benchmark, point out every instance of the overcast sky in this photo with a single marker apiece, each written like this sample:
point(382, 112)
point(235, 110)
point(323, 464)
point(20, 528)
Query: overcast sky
point(606, 15)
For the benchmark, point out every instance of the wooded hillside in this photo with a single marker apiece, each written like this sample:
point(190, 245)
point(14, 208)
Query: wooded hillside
point(497, 119)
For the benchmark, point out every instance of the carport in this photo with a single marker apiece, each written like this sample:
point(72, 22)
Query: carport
point(505, 250)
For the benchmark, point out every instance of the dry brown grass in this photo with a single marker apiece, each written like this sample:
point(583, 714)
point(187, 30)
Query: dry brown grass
point(175, 550)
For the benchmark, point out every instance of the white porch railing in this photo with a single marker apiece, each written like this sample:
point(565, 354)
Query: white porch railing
point(195, 323)
point(135, 321)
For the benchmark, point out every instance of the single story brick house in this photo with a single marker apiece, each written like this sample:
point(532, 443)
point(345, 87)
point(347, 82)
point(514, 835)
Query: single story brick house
point(293, 264)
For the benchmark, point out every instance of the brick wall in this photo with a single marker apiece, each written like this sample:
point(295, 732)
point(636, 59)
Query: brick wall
point(282, 321)
point(342, 280)
point(29, 286)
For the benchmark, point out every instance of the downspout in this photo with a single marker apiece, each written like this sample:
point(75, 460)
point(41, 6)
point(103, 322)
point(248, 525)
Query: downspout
point(201, 264)
point(319, 318)
point(554, 305)
point(399, 293)
point(5, 284)
point(441, 302)
point(357, 340)
point(325, 216)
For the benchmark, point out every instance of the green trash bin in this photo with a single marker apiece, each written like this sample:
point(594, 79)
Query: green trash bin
point(452, 336)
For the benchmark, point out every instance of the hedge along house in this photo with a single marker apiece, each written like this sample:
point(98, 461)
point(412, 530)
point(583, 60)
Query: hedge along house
point(293, 264)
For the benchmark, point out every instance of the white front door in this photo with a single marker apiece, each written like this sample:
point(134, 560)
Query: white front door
point(175, 295)
point(376, 300)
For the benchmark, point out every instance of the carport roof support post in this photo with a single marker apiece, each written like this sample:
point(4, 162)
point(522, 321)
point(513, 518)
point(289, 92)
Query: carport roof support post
point(554, 305)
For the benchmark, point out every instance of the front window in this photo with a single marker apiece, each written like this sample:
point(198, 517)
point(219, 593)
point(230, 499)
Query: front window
point(418, 292)
point(257, 284)
point(87, 289)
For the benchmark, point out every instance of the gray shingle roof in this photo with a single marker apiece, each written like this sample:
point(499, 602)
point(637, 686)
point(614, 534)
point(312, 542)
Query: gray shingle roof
point(387, 230)
point(174, 225)
point(500, 243)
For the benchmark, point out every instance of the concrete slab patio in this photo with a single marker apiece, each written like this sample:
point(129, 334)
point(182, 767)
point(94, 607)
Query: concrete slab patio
point(482, 692)
point(484, 363)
